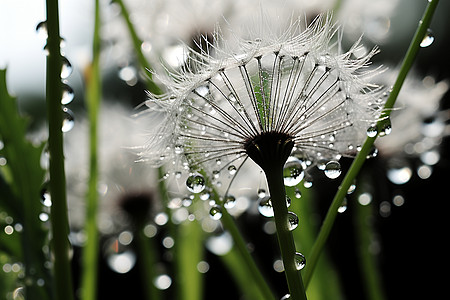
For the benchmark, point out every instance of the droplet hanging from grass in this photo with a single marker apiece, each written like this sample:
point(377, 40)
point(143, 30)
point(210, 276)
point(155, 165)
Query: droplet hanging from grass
point(428, 39)
point(300, 261)
point(332, 169)
point(292, 221)
point(68, 120)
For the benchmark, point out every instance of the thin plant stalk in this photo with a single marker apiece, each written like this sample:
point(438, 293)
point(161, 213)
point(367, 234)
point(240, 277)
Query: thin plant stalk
point(93, 97)
point(364, 234)
point(59, 215)
point(285, 238)
point(327, 224)
point(137, 44)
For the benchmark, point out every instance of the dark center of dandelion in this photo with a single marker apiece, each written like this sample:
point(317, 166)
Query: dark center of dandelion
point(269, 149)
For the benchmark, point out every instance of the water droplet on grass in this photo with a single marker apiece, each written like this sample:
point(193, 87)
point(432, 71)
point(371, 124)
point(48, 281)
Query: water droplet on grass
point(41, 29)
point(66, 68)
point(332, 169)
point(428, 39)
point(215, 212)
point(67, 94)
point(68, 120)
point(300, 261)
point(292, 220)
point(229, 202)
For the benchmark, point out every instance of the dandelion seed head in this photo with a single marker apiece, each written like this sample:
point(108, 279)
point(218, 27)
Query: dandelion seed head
point(296, 89)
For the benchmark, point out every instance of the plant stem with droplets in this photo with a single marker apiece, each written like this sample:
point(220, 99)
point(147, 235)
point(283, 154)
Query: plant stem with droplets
point(137, 44)
point(59, 218)
point(285, 238)
point(367, 147)
point(93, 96)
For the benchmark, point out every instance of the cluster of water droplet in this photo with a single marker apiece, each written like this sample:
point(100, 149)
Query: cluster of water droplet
point(66, 70)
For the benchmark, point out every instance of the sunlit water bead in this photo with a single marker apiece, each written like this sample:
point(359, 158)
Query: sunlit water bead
point(372, 131)
point(215, 212)
point(66, 67)
point(195, 183)
point(332, 169)
point(229, 202)
point(68, 120)
point(41, 29)
point(67, 94)
point(293, 171)
point(343, 207)
point(292, 221)
point(428, 39)
point(286, 297)
point(385, 127)
point(300, 261)
point(265, 207)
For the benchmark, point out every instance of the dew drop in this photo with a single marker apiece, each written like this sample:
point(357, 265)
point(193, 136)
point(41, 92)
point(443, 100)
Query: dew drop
point(428, 39)
point(265, 207)
point(68, 120)
point(195, 183)
point(229, 202)
point(298, 193)
point(261, 193)
point(41, 29)
point(293, 171)
point(232, 98)
point(343, 206)
point(45, 198)
point(67, 94)
point(232, 169)
point(66, 68)
point(288, 201)
point(386, 127)
point(372, 131)
point(286, 297)
point(300, 261)
point(215, 212)
point(332, 169)
point(202, 90)
point(292, 220)
point(178, 149)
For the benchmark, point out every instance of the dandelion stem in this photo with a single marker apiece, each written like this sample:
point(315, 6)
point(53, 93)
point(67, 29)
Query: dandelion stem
point(361, 157)
point(93, 96)
point(137, 44)
point(59, 218)
point(285, 238)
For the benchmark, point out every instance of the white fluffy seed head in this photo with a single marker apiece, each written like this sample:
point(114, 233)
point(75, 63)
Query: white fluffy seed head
point(297, 83)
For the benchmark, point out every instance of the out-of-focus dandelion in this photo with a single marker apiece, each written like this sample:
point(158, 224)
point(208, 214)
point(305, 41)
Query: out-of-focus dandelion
point(289, 98)
point(419, 127)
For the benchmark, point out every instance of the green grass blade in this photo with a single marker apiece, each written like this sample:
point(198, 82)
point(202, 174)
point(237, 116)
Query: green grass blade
point(367, 147)
point(25, 181)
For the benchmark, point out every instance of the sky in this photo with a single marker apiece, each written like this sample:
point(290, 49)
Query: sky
point(21, 48)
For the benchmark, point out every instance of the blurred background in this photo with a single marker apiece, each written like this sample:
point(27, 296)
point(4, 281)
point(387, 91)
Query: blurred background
point(405, 184)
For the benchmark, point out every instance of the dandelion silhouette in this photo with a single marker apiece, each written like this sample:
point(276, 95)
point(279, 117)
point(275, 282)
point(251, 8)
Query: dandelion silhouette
point(272, 99)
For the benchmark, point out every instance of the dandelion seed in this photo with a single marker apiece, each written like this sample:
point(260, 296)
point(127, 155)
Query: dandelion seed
point(268, 100)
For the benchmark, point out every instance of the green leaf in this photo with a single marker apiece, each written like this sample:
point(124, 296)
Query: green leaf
point(24, 179)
